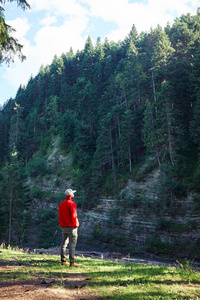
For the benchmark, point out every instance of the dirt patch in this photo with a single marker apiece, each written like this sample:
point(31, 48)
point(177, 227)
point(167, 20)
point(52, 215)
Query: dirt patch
point(71, 286)
point(34, 290)
point(76, 286)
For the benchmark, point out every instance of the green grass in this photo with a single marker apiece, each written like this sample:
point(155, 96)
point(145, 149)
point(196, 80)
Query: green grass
point(104, 279)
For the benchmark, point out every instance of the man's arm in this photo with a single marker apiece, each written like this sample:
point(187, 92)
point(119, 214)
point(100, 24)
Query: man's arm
point(74, 216)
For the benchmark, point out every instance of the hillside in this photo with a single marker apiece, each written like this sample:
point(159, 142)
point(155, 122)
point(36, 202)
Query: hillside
point(134, 222)
point(119, 122)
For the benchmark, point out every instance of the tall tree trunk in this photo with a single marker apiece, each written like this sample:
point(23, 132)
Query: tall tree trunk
point(112, 158)
point(125, 98)
point(129, 155)
point(158, 157)
point(169, 134)
point(17, 126)
point(154, 91)
point(156, 113)
point(10, 216)
point(138, 90)
point(156, 148)
point(34, 129)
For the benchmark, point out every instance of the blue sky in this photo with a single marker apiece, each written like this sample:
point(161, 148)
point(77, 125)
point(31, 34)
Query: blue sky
point(51, 27)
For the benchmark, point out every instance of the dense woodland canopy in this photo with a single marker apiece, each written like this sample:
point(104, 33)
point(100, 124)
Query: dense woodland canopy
point(114, 106)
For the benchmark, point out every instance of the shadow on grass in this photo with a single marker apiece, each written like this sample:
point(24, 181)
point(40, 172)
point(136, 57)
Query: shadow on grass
point(129, 279)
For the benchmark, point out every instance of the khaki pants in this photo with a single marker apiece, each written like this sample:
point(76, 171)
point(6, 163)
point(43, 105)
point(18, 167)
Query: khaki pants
point(69, 236)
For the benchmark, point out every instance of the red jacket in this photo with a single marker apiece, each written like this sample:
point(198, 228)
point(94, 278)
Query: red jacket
point(68, 214)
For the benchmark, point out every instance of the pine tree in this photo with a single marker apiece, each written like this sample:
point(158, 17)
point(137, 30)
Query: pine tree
point(87, 63)
point(105, 154)
point(9, 46)
point(131, 144)
point(3, 138)
point(52, 116)
point(17, 128)
point(13, 195)
point(56, 73)
point(158, 50)
point(99, 63)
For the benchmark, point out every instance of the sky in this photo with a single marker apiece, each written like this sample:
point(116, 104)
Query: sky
point(51, 27)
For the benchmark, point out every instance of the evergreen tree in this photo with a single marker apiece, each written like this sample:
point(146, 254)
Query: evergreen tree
point(32, 134)
point(135, 76)
point(105, 154)
point(52, 116)
point(158, 50)
point(56, 73)
point(99, 69)
point(17, 129)
point(87, 62)
point(13, 196)
point(3, 138)
point(131, 144)
point(9, 46)
point(68, 130)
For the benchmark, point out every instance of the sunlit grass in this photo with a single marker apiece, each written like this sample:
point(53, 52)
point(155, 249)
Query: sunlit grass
point(107, 279)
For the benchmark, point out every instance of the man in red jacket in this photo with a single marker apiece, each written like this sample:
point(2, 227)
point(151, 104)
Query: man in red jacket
point(69, 223)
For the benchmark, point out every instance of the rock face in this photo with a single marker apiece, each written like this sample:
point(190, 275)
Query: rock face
point(135, 230)
point(144, 216)
point(142, 225)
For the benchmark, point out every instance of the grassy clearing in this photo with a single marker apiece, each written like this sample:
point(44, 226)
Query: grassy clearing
point(104, 279)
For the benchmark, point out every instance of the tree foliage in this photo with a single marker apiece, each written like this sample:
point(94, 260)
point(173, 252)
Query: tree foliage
point(9, 46)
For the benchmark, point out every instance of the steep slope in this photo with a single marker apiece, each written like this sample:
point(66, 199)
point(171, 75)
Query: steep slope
point(139, 219)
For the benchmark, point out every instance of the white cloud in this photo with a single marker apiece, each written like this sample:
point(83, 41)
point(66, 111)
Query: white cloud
point(69, 7)
point(21, 25)
point(142, 15)
point(51, 40)
point(48, 21)
point(59, 7)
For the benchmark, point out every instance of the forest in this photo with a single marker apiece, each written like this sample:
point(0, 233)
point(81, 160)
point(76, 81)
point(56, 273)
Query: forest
point(114, 107)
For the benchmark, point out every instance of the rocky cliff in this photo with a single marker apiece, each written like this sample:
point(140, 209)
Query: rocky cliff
point(144, 227)
point(144, 216)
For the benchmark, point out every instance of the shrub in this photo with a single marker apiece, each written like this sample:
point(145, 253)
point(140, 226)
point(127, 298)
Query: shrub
point(163, 224)
point(59, 197)
point(45, 145)
point(196, 202)
point(37, 166)
point(100, 234)
point(48, 234)
point(114, 217)
point(154, 244)
point(37, 193)
point(171, 226)
point(133, 198)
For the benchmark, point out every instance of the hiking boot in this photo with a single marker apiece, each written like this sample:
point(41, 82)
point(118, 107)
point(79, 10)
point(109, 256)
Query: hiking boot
point(63, 262)
point(74, 264)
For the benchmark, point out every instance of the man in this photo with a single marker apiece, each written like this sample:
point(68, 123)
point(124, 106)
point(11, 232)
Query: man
point(69, 224)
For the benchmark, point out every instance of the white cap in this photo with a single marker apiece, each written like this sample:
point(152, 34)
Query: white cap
point(69, 192)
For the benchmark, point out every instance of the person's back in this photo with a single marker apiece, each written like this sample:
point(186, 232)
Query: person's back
point(69, 223)
point(67, 213)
